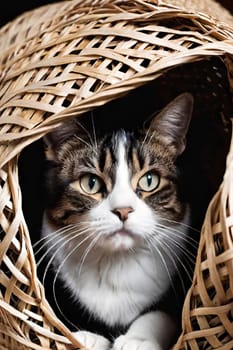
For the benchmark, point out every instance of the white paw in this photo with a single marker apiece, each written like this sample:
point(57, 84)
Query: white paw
point(92, 341)
point(125, 342)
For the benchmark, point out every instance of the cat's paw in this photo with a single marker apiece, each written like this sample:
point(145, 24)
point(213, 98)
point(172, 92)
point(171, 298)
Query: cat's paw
point(125, 342)
point(92, 341)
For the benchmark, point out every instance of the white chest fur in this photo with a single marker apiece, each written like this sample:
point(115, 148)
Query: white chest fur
point(117, 289)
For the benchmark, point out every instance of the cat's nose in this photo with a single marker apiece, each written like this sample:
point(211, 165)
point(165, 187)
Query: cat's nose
point(123, 213)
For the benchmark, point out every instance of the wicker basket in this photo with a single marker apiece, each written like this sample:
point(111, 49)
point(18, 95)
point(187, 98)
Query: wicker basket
point(65, 59)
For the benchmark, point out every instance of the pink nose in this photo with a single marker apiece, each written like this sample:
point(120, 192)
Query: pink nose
point(123, 213)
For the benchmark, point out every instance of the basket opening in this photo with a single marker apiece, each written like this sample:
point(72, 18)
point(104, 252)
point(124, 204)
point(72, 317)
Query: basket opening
point(204, 158)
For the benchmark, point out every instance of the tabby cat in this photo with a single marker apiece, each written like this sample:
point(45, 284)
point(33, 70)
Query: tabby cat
point(117, 228)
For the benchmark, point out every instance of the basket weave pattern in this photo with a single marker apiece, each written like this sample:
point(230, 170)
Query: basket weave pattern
point(62, 60)
point(207, 312)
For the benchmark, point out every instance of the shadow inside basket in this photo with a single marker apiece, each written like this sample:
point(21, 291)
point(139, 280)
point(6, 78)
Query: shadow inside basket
point(202, 163)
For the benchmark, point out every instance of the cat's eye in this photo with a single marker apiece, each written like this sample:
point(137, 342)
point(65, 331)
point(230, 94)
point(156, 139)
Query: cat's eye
point(90, 183)
point(149, 182)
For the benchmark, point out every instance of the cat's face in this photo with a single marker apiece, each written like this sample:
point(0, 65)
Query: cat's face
point(120, 191)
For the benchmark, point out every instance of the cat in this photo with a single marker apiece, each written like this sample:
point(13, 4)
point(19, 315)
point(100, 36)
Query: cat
point(116, 227)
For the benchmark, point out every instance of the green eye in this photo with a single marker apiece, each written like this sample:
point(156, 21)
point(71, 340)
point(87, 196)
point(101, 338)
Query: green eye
point(90, 183)
point(149, 182)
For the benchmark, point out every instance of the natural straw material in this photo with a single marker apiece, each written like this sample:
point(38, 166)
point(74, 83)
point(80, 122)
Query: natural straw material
point(62, 60)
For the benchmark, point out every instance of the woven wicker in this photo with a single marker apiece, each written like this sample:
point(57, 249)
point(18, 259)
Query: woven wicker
point(62, 60)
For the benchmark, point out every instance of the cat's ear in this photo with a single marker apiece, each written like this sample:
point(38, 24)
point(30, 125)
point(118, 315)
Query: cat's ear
point(172, 123)
point(54, 139)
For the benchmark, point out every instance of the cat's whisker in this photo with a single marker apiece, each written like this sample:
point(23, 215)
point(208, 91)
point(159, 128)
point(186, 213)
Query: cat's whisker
point(176, 256)
point(46, 240)
point(62, 235)
point(76, 247)
point(144, 140)
point(151, 137)
point(65, 242)
point(93, 143)
point(173, 240)
point(190, 258)
point(87, 251)
point(58, 232)
point(84, 142)
point(58, 272)
point(169, 253)
point(182, 235)
point(151, 244)
point(177, 238)
point(180, 223)
point(93, 130)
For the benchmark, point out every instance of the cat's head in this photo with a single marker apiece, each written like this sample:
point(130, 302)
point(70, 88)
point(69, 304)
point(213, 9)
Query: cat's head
point(120, 190)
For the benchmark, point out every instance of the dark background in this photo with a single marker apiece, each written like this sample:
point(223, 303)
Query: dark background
point(9, 9)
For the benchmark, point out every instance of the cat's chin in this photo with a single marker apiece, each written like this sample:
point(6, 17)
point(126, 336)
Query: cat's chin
point(121, 240)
